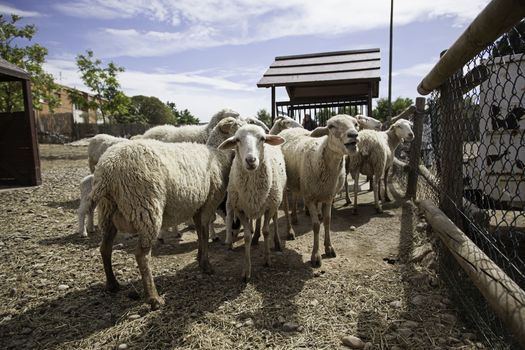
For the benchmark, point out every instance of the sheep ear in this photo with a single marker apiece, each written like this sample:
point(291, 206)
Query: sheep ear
point(273, 140)
point(228, 143)
point(319, 131)
point(258, 122)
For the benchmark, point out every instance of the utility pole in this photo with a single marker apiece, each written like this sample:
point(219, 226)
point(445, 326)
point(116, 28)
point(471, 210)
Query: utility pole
point(390, 62)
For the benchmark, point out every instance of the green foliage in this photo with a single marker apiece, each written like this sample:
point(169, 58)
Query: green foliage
point(512, 42)
point(149, 110)
point(398, 106)
point(183, 117)
point(108, 98)
point(265, 117)
point(30, 58)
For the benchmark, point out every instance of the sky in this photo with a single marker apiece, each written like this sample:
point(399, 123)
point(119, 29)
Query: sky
point(209, 55)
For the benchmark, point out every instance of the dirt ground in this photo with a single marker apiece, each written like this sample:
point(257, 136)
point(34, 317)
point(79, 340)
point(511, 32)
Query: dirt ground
point(53, 296)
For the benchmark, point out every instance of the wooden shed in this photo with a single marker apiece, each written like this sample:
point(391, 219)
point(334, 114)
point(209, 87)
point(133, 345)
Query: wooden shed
point(326, 83)
point(19, 156)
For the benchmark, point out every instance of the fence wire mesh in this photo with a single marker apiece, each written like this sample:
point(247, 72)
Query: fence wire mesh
point(474, 144)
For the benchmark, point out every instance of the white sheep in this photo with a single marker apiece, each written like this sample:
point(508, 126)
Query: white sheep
point(283, 123)
point(257, 184)
point(143, 185)
point(187, 133)
point(376, 155)
point(98, 144)
point(85, 209)
point(314, 167)
point(365, 123)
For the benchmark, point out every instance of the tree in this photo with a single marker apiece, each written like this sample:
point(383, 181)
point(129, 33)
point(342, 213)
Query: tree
point(108, 98)
point(265, 117)
point(30, 58)
point(150, 110)
point(398, 106)
point(182, 117)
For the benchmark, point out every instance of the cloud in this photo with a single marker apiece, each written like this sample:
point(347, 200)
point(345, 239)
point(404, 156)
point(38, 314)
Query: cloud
point(418, 70)
point(8, 9)
point(203, 92)
point(202, 24)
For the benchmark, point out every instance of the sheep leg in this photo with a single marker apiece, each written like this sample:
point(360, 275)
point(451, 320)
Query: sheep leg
point(213, 234)
point(229, 224)
point(356, 185)
point(257, 233)
point(143, 255)
point(266, 234)
point(315, 260)
point(90, 220)
point(294, 209)
point(276, 239)
point(327, 216)
point(387, 198)
point(370, 180)
point(202, 228)
point(83, 210)
point(290, 234)
point(247, 269)
point(377, 188)
point(106, 249)
point(348, 200)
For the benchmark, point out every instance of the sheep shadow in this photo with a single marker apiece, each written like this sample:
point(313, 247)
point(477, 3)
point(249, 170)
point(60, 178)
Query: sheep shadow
point(189, 296)
point(197, 295)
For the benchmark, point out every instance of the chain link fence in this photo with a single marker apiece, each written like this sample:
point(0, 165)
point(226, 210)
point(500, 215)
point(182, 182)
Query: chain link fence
point(473, 144)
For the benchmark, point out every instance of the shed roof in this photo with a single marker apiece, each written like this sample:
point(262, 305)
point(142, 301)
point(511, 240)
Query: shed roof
point(10, 70)
point(346, 72)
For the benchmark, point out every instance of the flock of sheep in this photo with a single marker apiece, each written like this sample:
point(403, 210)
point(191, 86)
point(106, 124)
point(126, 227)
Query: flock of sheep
point(232, 166)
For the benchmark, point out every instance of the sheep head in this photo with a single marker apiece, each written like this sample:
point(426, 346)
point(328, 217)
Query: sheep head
point(283, 123)
point(403, 129)
point(366, 122)
point(342, 133)
point(248, 143)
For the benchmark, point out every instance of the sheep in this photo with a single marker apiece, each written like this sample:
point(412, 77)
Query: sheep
point(365, 122)
point(257, 184)
point(85, 208)
point(283, 123)
point(143, 185)
point(98, 144)
point(314, 167)
point(187, 133)
point(376, 155)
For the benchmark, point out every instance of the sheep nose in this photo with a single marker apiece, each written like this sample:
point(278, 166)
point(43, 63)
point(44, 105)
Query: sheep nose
point(352, 134)
point(250, 159)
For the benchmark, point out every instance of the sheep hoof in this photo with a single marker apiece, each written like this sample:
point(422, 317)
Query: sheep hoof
point(112, 287)
point(83, 235)
point(161, 240)
point(316, 260)
point(290, 236)
point(156, 303)
point(245, 277)
point(294, 220)
point(216, 239)
point(387, 199)
point(255, 242)
point(348, 202)
point(330, 252)
point(379, 210)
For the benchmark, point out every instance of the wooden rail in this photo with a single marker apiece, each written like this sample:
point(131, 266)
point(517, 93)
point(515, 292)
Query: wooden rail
point(505, 297)
point(497, 18)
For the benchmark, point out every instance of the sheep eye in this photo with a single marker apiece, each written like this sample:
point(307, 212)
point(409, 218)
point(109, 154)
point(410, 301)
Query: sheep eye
point(262, 139)
point(331, 126)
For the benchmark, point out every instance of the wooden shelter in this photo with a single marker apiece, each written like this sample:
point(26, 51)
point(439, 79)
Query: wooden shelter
point(19, 156)
point(321, 84)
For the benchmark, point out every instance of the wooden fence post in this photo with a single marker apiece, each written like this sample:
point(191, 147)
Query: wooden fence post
point(415, 149)
point(451, 141)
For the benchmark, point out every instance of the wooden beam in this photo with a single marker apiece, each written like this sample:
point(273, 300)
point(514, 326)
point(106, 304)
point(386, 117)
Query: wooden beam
point(504, 296)
point(36, 177)
point(495, 19)
point(273, 104)
point(369, 100)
